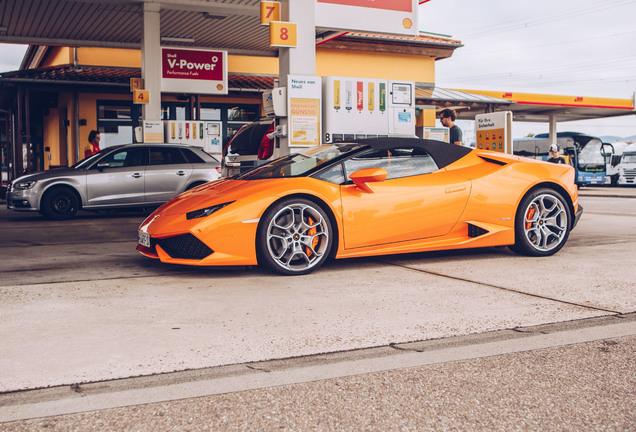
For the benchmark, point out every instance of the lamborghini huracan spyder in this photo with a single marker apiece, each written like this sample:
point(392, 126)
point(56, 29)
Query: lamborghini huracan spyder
point(369, 197)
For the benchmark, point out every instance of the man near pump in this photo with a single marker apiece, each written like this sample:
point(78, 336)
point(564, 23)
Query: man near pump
point(447, 118)
point(554, 155)
point(93, 143)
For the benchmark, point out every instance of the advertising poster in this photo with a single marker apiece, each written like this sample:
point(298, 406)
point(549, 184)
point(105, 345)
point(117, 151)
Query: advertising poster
point(436, 133)
point(153, 131)
point(493, 131)
point(305, 104)
point(193, 71)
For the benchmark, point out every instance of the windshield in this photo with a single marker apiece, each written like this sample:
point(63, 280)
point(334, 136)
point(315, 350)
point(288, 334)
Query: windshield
point(591, 157)
point(629, 158)
point(300, 164)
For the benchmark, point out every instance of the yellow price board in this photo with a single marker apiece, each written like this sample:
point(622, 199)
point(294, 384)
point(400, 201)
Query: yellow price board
point(270, 11)
point(141, 96)
point(282, 34)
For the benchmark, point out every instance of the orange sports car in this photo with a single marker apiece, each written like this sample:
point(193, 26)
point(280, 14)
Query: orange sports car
point(369, 197)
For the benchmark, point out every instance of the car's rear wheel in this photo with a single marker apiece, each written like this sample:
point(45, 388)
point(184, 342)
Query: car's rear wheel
point(60, 203)
point(294, 237)
point(542, 224)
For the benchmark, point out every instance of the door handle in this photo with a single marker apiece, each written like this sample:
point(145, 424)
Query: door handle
point(180, 173)
point(453, 189)
point(136, 175)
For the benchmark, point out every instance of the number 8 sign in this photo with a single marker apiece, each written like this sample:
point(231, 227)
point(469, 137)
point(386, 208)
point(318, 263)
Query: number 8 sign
point(282, 34)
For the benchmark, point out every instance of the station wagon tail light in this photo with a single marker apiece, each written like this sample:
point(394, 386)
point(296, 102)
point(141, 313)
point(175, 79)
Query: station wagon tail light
point(266, 149)
point(207, 211)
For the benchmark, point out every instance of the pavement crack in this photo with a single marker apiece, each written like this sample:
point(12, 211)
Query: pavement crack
point(257, 368)
point(396, 347)
point(499, 287)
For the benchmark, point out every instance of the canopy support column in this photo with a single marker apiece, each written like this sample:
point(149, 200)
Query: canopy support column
point(151, 61)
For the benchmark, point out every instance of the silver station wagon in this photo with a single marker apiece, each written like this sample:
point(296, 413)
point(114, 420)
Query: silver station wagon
point(132, 175)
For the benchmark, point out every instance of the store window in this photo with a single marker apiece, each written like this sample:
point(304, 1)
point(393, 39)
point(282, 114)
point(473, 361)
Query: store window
point(116, 121)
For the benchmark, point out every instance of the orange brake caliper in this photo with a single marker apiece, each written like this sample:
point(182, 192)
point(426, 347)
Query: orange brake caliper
point(314, 242)
point(530, 215)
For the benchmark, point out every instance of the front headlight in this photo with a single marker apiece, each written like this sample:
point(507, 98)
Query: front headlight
point(23, 185)
point(205, 211)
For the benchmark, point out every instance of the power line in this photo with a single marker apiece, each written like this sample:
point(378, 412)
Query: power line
point(550, 17)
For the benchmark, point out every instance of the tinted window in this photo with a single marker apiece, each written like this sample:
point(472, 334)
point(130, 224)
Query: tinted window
point(334, 175)
point(399, 162)
point(124, 158)
point(192, 157)
point(248, 139)
point(166, 156)
point(300, 164)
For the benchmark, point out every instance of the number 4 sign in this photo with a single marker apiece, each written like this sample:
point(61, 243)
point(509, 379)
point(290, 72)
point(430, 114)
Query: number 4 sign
point(141, 96)
point(282, 34)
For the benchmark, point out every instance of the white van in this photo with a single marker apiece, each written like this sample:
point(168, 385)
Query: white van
point(613, 153)
point(627, 166)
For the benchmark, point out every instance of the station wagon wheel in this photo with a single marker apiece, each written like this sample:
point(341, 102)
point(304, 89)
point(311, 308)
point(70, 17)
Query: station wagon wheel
point(294, 237)
point(542, 224)
point(60, 203)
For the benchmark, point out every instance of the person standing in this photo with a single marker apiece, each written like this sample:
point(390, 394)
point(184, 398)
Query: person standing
point(447, 118)
point(554, 155)
point(93, 143)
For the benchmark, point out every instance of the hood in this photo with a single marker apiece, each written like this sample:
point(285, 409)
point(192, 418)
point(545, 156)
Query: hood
point(44, 175)
point(216, 192)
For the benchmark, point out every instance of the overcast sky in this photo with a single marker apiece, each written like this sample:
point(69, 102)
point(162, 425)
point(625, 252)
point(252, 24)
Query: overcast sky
point(565, 47)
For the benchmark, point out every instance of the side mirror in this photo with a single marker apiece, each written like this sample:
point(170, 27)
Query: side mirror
point(362, 177)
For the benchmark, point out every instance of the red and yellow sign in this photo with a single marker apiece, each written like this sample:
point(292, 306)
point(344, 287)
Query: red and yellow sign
point(270, 11)
point(141, 96)
point(392, 5)
point(283, 34)
point(135, 84)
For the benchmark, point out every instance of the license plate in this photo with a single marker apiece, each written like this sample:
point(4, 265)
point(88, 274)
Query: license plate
point(143, 238)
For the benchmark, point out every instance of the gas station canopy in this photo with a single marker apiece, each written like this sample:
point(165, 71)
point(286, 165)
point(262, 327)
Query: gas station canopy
point(233, 25)
point(229, 24)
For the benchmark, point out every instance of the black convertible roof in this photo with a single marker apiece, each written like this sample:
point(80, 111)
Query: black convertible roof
point(442, 153)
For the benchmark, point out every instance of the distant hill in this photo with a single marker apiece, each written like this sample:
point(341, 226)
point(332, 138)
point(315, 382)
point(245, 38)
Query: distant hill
point(610, 138)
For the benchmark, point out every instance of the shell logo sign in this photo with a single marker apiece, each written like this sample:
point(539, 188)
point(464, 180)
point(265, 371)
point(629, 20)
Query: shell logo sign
point(193, 71)
point(386, 16)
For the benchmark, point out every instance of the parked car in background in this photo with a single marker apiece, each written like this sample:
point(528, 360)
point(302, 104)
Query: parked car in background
point(131, 175)
point(249, 147)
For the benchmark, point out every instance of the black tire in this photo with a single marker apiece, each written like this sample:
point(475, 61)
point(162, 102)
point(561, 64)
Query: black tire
point(294, 237)
point(60, 203)
point(542, 223)
point(614, 180)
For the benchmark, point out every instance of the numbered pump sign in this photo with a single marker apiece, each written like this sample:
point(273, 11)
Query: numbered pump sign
point(283, 34)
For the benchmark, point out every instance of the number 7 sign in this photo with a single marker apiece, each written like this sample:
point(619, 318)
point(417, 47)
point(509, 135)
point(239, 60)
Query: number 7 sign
point(270, 11)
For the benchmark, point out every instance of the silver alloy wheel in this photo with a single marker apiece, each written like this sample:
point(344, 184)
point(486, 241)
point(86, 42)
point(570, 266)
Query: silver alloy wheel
point(545, 223)
point(297, 237)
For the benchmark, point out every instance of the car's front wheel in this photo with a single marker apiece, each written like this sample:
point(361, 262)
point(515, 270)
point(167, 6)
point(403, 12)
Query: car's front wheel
point(542, 224)
point(60, 203)
point(294, 237)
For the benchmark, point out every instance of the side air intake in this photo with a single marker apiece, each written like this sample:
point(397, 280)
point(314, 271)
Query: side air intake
point(495, 161)
point(475, 231)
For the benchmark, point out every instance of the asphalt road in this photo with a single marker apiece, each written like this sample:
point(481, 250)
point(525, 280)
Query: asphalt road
point(409, 342)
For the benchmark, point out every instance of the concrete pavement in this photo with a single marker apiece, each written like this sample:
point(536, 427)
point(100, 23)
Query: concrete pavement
point(115, 325)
